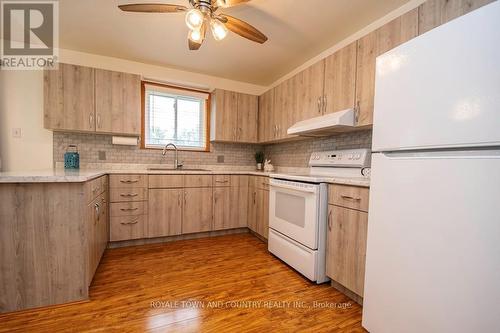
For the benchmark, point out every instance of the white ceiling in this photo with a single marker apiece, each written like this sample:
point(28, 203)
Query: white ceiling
point(297, 29)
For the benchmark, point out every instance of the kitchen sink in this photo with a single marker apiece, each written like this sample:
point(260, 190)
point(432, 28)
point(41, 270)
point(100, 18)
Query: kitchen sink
point(172, 169)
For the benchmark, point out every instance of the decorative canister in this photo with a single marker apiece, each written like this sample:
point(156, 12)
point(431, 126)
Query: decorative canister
point(72, 158)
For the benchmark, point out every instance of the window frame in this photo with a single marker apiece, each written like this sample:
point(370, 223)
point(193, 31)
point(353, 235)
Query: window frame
point(143, 117)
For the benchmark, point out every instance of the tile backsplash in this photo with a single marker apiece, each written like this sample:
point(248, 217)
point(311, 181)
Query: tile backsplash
point(93, 147)
point(97, 150)
point(297, 153)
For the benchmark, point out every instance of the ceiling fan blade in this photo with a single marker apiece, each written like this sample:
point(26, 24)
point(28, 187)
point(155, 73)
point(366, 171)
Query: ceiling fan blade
point(152, 8)
point(228, 3)
point(243, 29)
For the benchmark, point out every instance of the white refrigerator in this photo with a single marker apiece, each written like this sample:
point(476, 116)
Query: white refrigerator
point(433, 252)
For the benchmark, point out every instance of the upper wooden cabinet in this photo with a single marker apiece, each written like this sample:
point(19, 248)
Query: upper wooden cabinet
point(340, 80)
point(234, 117)
point(309, 85)
point(69, 98)
point(117, 102)
point(85, 99)
point(266, 116)
point(370, 47)
point(433, 13)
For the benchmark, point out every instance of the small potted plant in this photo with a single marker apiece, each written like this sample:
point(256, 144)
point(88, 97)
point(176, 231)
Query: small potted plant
point(259, 159)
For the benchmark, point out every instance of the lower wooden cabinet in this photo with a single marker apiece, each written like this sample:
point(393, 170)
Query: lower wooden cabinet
point(258, 205)
point(97, 226)
point(197, 212)
point(165, 212)
point(222, 208)
point(239, 202)
point(346, 244)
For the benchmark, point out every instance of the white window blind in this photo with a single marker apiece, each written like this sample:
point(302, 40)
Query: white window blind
point(174, 116)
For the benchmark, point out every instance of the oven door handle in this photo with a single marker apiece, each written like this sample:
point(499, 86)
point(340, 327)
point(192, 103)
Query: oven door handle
point(294, 188)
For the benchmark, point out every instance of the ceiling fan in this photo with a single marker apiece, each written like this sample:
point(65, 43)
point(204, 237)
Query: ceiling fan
point(203, 14)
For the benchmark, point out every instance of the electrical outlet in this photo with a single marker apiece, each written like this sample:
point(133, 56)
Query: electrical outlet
point(102, 155)
point(17, 133)
point(220, 158)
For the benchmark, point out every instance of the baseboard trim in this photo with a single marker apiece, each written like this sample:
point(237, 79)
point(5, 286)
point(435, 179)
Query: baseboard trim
point(145, 241)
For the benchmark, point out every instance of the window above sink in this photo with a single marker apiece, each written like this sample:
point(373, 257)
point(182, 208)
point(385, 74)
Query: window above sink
point(174, 115)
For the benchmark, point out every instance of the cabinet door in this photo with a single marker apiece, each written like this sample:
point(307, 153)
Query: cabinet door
point(248, 109)
point(252, 208)
point(93, 214)
point(284, 108)
point(263, 213)
point(309, 89)
point(371, 46)
point(222, 208)
point(433, 13)
point(346, 247)
point(165, 212)
point(224, 115)
point(239, 202)
point(103, 225)
point(266, 118)
point(340, 79)
point(69, 98)
point(118, 98)
point(197, 212)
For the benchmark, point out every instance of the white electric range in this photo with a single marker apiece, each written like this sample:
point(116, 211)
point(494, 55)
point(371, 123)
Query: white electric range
point(298, 208)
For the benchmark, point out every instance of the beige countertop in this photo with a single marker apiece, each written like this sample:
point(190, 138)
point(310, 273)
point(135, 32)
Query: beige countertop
point(82, 175)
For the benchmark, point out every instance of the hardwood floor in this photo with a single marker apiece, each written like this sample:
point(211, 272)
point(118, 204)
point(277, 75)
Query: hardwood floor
point(136, 290)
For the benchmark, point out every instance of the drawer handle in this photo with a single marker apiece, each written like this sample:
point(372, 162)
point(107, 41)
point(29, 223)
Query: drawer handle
point(128, 209)
point(222, 181)
point(131, 222)
point(129, 181)
point(350, 198)
point(330, 220)
point(129, 195)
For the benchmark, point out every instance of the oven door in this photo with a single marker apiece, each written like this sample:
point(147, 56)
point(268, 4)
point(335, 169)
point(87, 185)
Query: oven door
point(294, 210)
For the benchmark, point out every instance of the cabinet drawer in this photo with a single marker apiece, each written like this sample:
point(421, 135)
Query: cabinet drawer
point(128, 194)
point(349, 196)
point(166, 181)
point(128, 181)
point(222, 180)
point(127, 208)
point(198, 181)
point(94, 187)
point(262, 182)
point(128, 227)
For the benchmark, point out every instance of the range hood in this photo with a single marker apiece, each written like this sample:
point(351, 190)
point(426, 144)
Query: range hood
point(328, 124)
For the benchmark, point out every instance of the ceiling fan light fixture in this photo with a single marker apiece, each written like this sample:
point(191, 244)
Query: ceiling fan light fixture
point(219, 29)
point(195, 35)
point(194, 19)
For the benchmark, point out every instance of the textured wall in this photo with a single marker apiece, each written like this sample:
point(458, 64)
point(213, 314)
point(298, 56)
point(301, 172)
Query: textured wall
point(89, 146)
point(297, 153)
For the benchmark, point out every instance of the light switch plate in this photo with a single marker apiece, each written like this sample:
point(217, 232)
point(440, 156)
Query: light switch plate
point(17, 133)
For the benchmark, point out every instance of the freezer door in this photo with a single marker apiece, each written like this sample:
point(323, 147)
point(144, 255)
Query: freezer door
point(441, 89)
point(433, 252)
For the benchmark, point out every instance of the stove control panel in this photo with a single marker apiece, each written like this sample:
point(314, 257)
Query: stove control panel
point(349, 158)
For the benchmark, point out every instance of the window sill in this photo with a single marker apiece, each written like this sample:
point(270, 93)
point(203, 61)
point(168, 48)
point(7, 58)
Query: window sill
point(199, 150)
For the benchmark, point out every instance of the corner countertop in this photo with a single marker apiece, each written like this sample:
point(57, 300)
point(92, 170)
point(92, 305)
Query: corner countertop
point(83, 175)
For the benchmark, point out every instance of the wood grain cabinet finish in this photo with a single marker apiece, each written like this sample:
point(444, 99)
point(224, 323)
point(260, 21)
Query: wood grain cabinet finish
point(97, 224)
point(197, 210)
point(117, 102)
point(84, 99)
point(309, 91)
point(258, 205)
point(434, 13)
point(128, 207)
point(353, 197)
point(370, 47)
point(340, 80)
point(165, 212)
point(266, 116)
point(234, 117)
point(239, 201)
point(346, 247)
point(222, 206)
point(69, 98)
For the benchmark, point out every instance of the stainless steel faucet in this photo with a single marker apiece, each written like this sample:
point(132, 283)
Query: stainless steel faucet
point(177, 165)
